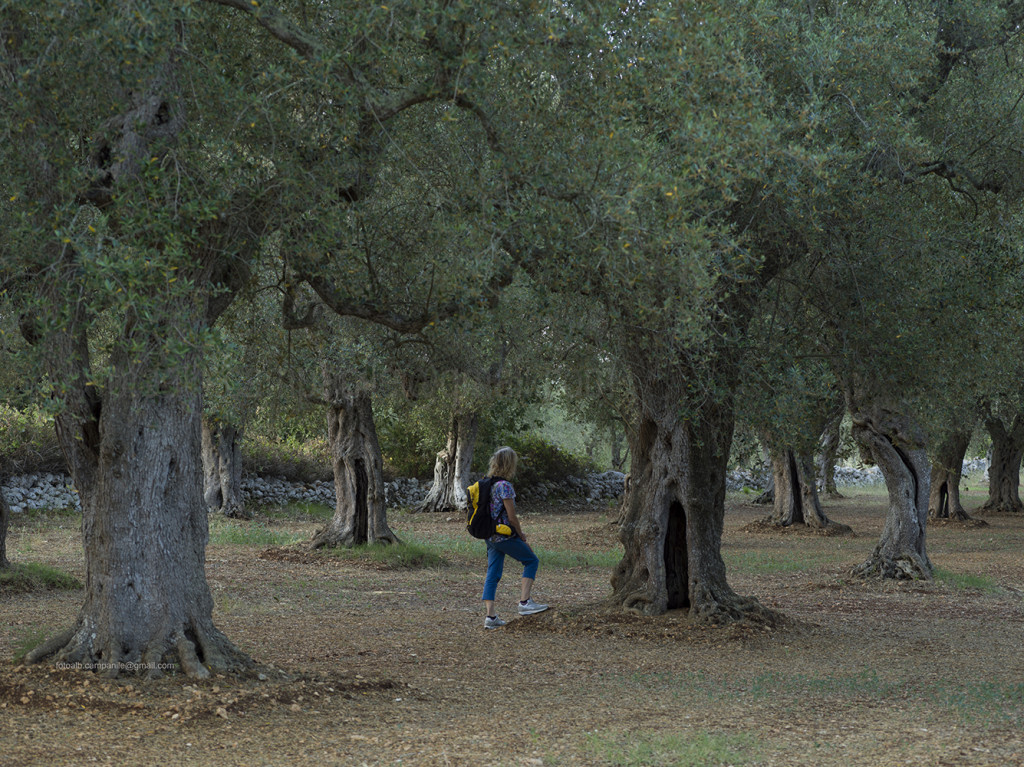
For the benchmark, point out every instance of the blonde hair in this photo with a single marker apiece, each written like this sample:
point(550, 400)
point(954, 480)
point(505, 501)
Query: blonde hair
point(503, 463)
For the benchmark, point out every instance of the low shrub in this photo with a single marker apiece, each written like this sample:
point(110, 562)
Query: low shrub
point(32, 576)
point(28, 442)
point(395, 556)
point(543, 461)
point(292, 459)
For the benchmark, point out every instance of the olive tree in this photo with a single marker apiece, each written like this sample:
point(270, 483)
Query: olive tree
point(131, 218)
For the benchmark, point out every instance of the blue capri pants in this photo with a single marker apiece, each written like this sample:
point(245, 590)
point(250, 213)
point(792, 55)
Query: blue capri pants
point(496, 551)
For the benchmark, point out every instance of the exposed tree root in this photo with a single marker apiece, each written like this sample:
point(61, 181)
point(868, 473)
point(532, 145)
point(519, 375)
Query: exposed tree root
point(724, 609)
point(1002, 507)
point(197, 652)
point(965, 521)
point(638, 599)
point(329, 537)
point(769, 525)
point(907, 566)
point(238, 511)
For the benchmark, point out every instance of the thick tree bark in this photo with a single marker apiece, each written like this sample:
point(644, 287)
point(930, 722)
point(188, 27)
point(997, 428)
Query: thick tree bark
point(451, 466)
point(1004, 470)
point(5, 520)
point(796, 493)
point(828, 446)
point(896, 445)
point(944, 498)
point(134, 457)
point(222, 469)
point(672, 525)
point(359, 513)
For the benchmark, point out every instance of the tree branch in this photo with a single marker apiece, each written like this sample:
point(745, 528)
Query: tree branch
point(277, 24)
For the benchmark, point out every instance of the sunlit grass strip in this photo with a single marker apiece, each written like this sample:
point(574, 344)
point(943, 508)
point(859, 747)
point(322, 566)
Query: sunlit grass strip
point(640, 749)
point(966, 580)
point(224, 531)
point(32, 576)
point(404, 555)
point(763, 562)
point(562, 559)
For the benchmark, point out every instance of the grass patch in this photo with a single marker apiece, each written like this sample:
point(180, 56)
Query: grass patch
point(32, 576)
point(398, 556)
point(966, 580)
point(563, 559)
point(770, 685)
point(653, 750)
point(983, 702)
point(765, 562)
point(28, 641)
point(560, 559)
point(297, 511)
point(225, 531)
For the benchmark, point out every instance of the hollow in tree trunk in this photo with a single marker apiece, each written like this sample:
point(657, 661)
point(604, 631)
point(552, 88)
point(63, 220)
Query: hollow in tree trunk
point(1004, 469)
point(796, 493)
point(828, 445)
point(944, 498)
point(672, 524)
point(5, 520)
point(451, 467)
point(359, 514)
point(134, 455)
point(896, 446)
point(222, 469)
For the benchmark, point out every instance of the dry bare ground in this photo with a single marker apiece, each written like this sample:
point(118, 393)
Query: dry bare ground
point(365, 664)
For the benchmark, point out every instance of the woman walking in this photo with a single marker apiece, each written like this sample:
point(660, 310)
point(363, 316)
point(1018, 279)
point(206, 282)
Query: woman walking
point(503, 512)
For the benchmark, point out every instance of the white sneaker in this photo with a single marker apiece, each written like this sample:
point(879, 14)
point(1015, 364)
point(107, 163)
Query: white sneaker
point(493, 623)
point(529, 607)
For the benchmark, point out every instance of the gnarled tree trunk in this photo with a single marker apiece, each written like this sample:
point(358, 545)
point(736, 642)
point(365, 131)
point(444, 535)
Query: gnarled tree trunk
point(451, 467)
point(1004, 469)
point(134, 455)
point(672, 526)
point(5, 520)
point(896, 446)
point(222, 469)
point(359, 514)
point(796, 493)
point(947, 466)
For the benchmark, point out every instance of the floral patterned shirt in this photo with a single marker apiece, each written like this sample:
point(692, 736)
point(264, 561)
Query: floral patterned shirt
point(500, 490)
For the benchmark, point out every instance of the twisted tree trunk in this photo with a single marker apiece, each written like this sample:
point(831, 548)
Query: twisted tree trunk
point(796, 493)
point(359, 514)
point(134, 455)
point(672, 523)
point(896, 445)
point(1004, 469)
point(451, 466)
point(944, 498)
point(222, 469)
